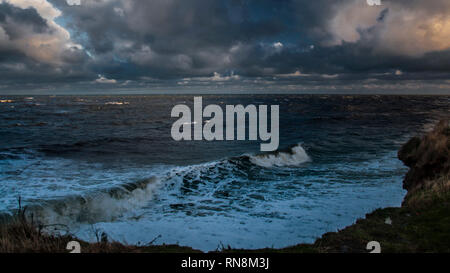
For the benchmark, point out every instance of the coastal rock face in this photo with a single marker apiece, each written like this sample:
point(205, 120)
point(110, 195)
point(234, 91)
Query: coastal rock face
point(427, 157)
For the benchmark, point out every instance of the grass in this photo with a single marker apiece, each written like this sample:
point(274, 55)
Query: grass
point(21, 234)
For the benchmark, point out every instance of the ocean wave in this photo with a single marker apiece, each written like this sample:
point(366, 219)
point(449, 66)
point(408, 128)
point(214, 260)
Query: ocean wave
point(210, 178)
point(99, 206)
point(295, 156)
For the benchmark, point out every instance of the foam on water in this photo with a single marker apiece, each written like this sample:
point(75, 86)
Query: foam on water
point(98, 206)
point(94, 163)
point(294, 157)
point(213, 204)
point(40, 180)
point(241, 201)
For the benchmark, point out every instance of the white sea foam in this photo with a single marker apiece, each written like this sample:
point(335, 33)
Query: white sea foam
point(294, 157)
point(117, 103)
point(96, 207)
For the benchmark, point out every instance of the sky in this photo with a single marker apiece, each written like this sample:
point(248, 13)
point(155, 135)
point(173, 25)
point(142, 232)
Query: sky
point(224, 46)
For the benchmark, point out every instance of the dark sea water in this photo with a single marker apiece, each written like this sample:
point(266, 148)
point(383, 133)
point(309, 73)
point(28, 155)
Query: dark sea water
point(109, 164)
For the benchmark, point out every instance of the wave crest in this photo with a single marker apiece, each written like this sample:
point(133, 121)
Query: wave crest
point(295, 156)
point(98, 206)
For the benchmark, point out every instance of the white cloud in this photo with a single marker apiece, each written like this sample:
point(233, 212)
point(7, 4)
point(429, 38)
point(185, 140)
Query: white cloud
point(327, 76)
point(409, 29)
point(295, 74)
point(278, 46)
point(218, 77)
point(73, 2)
point(47, 47)
point(102, 79)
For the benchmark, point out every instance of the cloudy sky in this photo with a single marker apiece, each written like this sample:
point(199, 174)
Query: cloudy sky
point(52, 46)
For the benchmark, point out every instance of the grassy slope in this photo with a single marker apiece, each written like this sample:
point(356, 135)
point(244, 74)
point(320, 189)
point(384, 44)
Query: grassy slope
point(422, 224)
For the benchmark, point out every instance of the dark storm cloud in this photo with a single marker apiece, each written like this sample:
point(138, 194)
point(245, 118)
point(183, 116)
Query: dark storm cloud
point(142, 44)
point(34, 50)
point(173, 26)
point(173, 38)
point(13, 18)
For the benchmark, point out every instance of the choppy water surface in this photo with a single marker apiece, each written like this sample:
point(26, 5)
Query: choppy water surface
point(108, 163)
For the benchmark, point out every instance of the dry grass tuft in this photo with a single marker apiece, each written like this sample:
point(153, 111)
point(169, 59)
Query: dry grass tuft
point(428, 193)
point(21, 234)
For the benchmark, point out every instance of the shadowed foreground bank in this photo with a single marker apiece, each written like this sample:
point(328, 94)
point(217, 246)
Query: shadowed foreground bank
point(421, 224)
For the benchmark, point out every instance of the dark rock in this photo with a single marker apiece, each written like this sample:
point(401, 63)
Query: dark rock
point(427, 157)
point(408, 152)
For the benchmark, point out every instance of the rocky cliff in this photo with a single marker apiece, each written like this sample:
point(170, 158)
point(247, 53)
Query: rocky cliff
point(427, 157)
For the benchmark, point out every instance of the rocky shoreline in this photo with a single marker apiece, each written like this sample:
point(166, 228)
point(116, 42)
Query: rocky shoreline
point(421, 224)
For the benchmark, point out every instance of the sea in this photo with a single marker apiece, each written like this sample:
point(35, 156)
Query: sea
point(91, 165)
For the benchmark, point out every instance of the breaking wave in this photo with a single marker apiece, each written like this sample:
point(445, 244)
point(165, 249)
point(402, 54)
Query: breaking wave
point(99, 206)
point(295, 156)
point(108, 204)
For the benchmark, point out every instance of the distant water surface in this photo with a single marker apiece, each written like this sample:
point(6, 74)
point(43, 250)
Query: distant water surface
point(108, 164)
